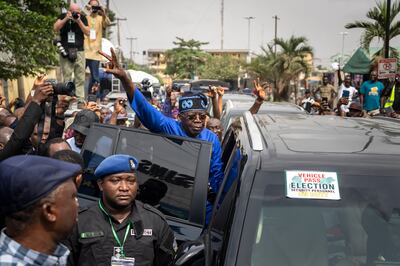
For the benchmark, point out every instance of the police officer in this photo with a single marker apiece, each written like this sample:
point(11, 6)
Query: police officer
point(120, 230)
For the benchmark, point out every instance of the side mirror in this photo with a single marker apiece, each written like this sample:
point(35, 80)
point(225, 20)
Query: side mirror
point(190, 253)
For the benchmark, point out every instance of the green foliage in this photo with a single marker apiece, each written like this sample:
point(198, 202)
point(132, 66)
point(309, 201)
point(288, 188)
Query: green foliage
point(375, 26)
point(284, 66)
point(26, 34)
point(220, 68)
point(185, 60)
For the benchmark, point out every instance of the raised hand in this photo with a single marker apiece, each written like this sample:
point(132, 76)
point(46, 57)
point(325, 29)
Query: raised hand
point(211, 92)
point(113, 66)
point(220, 91)
point(259, 90)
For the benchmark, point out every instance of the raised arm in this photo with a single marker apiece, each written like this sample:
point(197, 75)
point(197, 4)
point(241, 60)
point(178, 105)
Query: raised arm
point(151, 118)
point(260, 94)
point(61, 22)
point(212, 94)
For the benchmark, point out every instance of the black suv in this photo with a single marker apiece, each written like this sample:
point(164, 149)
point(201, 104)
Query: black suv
point(305, 191)
point(298, 189)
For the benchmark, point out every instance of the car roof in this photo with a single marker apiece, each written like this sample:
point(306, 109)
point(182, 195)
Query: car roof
point(238, 97)
point(358, 145)
point(267, 107)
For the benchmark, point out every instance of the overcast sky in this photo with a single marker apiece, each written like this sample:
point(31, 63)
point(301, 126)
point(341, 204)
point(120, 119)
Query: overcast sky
point(156, 23)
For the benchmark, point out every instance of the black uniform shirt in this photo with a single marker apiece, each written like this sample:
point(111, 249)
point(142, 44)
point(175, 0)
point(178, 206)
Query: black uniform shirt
point(150, 240)
point(72, 26)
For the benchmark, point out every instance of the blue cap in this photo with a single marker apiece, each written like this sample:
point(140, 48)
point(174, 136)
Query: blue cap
point(114, 164)
point(25, 179)
point(196, 102)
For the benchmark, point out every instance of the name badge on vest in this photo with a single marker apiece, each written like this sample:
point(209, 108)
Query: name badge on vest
point(71, 37)
point(146, 232)
point(126, 261)
point(92, 34)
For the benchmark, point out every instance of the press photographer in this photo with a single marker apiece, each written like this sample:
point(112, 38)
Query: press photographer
point(72, 27)
point(98, 21)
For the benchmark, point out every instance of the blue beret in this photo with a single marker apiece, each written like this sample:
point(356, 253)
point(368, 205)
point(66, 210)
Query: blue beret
point(25, 179)
point(118, 163)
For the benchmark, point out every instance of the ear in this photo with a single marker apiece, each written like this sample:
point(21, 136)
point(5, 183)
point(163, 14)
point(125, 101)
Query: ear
point(1, 146)
point(49, 212)
point(78, 180)
point(180, 117)
point(100, 184)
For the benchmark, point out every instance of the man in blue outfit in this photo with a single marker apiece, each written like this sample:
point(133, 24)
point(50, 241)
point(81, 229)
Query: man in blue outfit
point(192, 115)
point(370, 94)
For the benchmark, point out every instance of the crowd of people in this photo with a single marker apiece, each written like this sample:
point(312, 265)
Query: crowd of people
point(371, 98)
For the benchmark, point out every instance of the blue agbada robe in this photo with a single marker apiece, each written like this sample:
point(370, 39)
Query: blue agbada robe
point(156, 122)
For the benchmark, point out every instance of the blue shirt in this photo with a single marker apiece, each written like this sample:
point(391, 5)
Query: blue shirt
point(372, 92)
point(156, 122)
point(14, 254)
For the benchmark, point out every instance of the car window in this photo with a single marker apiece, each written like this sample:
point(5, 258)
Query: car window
point(362, 228)
point(171, 172)
point(166, 172)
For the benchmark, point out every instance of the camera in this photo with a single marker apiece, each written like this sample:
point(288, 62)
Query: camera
point(60, 48)
point(75, 15)
point(62, 88)
point(95, 9)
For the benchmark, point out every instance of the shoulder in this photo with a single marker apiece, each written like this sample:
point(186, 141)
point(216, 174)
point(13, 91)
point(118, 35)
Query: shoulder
point(207, 134)
point(146, 209)
point(88, 212)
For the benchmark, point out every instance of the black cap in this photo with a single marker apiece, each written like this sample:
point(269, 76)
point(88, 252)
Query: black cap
point(83, 120)
point(25, 179)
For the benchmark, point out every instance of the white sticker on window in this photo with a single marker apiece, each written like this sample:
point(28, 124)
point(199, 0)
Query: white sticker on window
point(312, 185)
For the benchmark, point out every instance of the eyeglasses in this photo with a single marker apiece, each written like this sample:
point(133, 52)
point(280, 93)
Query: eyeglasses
point(193, 117)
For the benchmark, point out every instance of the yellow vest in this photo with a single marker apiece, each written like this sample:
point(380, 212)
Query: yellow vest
point(390, 101)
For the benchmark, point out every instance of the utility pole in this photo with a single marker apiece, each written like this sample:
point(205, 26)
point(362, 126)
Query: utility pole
point(222, 24)
point(131, 39)
point(276, 31)
point(118, 32)
point(387, 28)
point(342, 55)
point(248, 33)
point(107, 31)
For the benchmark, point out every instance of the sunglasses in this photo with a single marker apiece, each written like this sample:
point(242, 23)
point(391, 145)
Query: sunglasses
point(193, 117)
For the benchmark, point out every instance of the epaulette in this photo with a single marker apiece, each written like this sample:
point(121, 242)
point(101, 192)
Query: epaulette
point(83, 209)
point(154, 210)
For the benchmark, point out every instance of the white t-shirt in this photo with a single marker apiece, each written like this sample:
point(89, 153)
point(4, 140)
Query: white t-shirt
point(352, 92)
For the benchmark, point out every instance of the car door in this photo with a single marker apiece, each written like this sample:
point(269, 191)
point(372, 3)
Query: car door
point(172, 173)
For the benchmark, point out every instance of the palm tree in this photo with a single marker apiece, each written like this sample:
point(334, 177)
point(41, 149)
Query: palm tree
point(285, 66)
point(375, 28)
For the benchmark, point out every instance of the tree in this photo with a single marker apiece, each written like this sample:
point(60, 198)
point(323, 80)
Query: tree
point(221, 68)
point(185, 60)
point(26, 34)
point(285, 66)
point(375, 27)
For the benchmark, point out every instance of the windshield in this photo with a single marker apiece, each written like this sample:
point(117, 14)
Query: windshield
point(362, 228)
